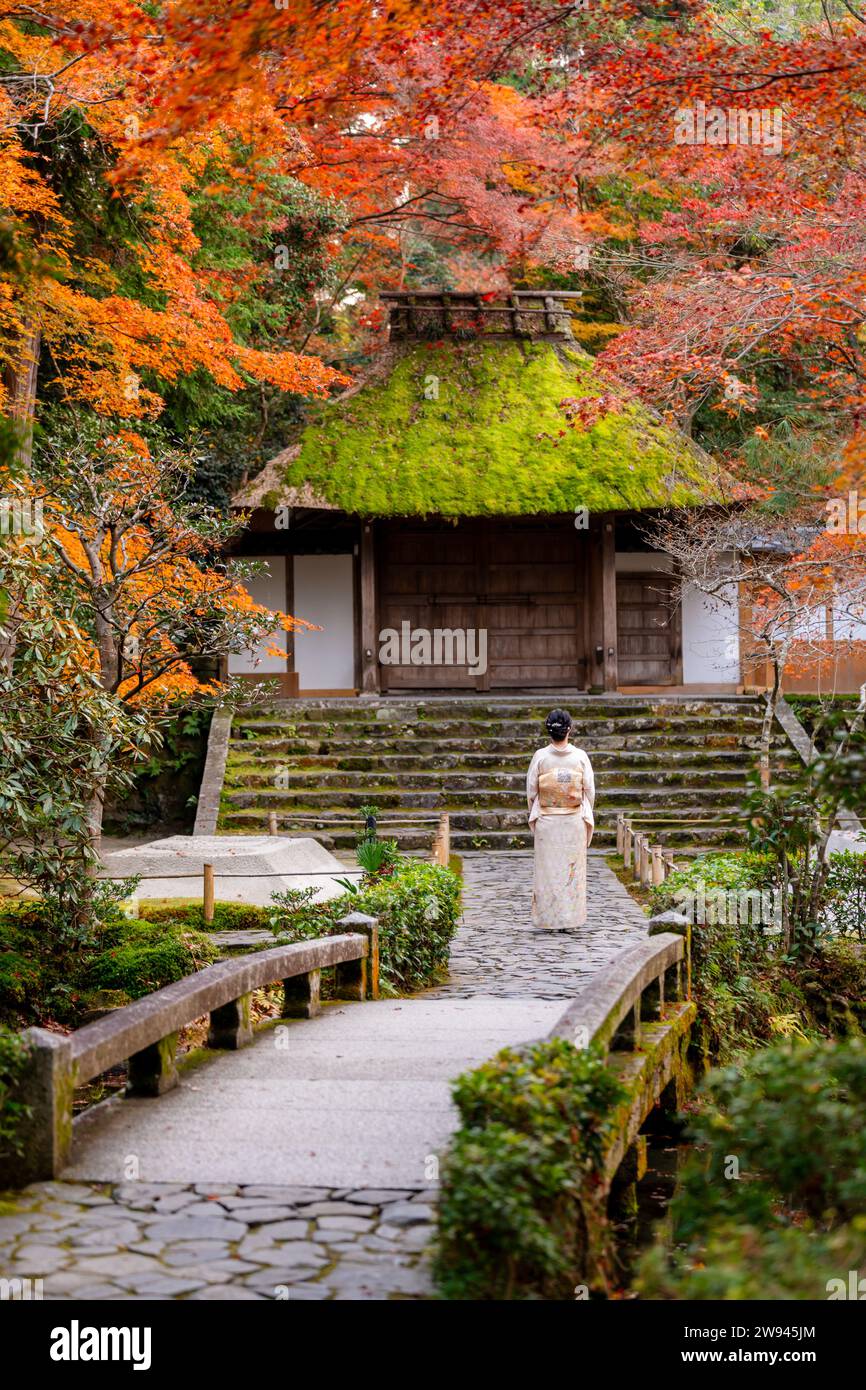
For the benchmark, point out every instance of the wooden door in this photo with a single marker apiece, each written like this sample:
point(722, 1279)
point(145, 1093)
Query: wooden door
point(647, 624)
point(428, 581)
point(521, 584)
point(534, 590)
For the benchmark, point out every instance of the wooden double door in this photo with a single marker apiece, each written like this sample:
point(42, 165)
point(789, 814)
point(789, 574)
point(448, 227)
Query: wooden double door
point(520, 584)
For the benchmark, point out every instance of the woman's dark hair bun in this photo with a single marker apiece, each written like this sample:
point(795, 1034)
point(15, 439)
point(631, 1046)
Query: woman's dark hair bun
point(558, 723)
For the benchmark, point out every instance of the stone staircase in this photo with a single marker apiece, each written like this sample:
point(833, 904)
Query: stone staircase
point(662, 758)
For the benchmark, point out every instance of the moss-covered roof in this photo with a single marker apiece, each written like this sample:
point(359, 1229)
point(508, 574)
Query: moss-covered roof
point(478, 428)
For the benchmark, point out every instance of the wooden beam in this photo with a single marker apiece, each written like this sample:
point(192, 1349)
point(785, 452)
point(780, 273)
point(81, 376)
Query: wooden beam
point(608, 600)
point(370, 684)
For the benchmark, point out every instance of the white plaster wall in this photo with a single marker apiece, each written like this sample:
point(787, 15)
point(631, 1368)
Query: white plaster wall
point(268, 588)
point(711, 642)
point(849, 619)
point(324, 594)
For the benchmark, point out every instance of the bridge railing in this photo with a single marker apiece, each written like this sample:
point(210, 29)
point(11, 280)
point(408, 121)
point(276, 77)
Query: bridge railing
point(632, 988)
point(144, 1034)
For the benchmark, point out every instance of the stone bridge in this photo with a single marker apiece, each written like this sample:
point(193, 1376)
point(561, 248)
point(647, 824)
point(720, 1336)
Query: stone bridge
point(302, 1161)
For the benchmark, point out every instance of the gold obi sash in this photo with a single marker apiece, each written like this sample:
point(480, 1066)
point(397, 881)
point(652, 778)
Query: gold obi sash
point(560, 793)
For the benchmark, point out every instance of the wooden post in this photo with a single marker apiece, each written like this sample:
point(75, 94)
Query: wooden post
point(208, 892)
point(608, 593)
point(272, 822)
point(627, 843)
point(645, 862)
point(620, 837)
point(442, 841)
point(658, 868)
point(370, 681)
point(638, 850)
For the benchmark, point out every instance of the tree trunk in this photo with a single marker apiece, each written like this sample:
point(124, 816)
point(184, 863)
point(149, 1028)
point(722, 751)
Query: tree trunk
point(20, 383)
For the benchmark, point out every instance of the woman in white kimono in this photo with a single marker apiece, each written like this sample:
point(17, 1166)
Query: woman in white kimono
point(560, 790)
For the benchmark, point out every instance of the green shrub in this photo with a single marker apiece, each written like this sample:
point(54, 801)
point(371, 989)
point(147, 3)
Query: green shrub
point(514, 1220)
point(20, 979)
point(745, 993)
point(729, 873)
point(771, 1205)
point(226, 917)
point(146, 956)
point(834, 985)
point(845, 894)
point(417, 906)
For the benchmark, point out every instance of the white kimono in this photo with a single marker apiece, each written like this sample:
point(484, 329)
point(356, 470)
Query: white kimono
point(560, 791)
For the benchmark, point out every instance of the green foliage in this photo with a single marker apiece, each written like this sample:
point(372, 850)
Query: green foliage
point(834, 987)
point(145, 956)
point(845, 893)
point(226, 916)
point(513, 1218)
point(376, 856)
point(712, 873)
point(741, 987)
point(417, 906)
point(13, 1058)
point(164, 785)
point(790, 1216)
point(39, 981)
point(495, 440)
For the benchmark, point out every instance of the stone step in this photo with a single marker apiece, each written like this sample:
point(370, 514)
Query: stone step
point(477, 837)
point(446, 799)
point(485, 781)
point(519, 729)
point(436, 708)
point(515, 750)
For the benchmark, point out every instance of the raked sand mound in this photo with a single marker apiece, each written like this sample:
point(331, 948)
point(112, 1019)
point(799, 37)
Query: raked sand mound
point(247, 868)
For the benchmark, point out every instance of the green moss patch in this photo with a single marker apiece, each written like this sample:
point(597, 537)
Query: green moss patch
point(480, 429)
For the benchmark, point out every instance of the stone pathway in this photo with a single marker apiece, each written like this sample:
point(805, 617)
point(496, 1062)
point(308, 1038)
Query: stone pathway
point(355, 1106)
point(498, 952)
point(217, 1241)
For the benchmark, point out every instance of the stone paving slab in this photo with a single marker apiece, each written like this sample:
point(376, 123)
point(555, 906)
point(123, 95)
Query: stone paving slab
point(359, 1097)
point(319, 1255)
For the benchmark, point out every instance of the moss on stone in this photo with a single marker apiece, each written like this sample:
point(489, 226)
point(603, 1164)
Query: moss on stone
point(478, 429)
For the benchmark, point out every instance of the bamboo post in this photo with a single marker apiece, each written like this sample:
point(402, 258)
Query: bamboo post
point(626, 843)
point(658, 868)
point(272, 822)
point(208, 892)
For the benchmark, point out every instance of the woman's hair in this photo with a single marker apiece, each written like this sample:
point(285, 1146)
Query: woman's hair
point(557, 724)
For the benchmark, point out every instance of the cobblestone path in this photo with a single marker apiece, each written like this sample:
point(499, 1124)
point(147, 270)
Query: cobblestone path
point(498, 952)
point(220, 1241)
